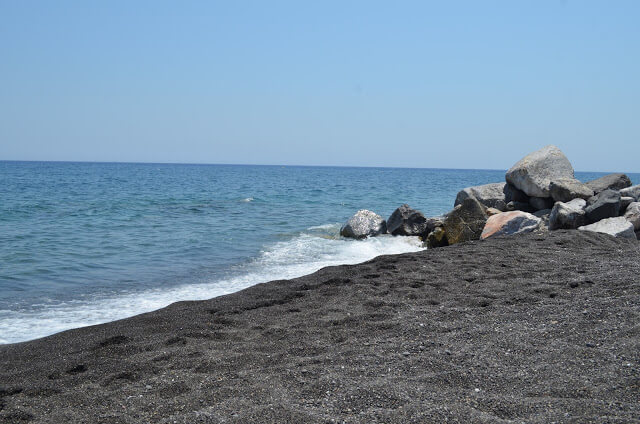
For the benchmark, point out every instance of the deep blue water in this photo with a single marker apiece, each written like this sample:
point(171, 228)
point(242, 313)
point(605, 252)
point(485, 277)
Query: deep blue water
point(84, 243)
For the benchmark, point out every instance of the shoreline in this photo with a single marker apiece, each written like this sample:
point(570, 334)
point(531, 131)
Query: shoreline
point(528, 327)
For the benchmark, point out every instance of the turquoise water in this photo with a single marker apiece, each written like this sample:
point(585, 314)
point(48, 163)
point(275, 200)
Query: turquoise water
point(85, 243)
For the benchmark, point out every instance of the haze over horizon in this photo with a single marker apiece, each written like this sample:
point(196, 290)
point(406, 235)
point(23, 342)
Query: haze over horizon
point(460, 85)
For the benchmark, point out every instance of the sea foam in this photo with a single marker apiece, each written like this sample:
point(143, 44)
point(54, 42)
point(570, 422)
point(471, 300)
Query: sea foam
point(302, 254)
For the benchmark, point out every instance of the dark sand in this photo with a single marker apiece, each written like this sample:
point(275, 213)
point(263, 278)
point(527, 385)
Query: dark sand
point(521, 329)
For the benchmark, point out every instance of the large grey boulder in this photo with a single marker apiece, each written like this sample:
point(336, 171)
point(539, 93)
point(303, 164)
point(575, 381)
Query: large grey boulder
point(632, 215)
point(617, 227)
point(533, 173)
point(566, 189)
point(406, 221)
point(490, 195)
point(633, 191)
point(465, 222)
point(363, 224)
point(611, 181)
point(569, 215)
point(509, 223)
point(605, 204)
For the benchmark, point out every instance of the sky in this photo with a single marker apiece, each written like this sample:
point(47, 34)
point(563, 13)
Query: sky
point(429, 84)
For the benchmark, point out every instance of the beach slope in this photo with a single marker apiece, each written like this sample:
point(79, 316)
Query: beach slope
point(529, 328)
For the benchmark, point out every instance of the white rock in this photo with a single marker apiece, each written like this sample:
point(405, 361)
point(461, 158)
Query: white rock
point(533, 173)
point(617, 227)
point(633, 215)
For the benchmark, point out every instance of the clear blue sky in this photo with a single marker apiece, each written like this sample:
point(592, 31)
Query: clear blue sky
point(462, 84)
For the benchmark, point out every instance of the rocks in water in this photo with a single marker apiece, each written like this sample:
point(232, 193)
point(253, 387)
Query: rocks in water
point(633, 191)
point(632, 214)
point(569, 215)
point(540, 203)
point(465, 222)
point(611, 181)
point(605, 204)
point(364, 223)
point(509, 223)
point(566, 189)
point(437, 238)
point(489, 195)
point(533, 173)
point(617, 227)
point(406, 221)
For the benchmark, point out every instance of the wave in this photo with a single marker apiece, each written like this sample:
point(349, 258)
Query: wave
point(303, 254)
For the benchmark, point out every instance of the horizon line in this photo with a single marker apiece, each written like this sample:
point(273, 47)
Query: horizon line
point(274, 165)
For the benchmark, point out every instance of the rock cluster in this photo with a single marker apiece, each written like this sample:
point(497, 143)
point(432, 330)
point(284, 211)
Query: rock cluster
point(540, 193)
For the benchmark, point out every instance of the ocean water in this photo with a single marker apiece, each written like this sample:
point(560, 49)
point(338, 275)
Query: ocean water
point(86, 243)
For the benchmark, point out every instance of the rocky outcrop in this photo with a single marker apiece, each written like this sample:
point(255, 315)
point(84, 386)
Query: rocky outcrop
point(603, 205)
point(541, 203)
point(611, 181)
point(437, 238)
point(509, 223)
point(406, 221)
point(570, 215)
point(633, 191)
point(363, 224)
point(632, 214)
point(465, 222)
point(567, 189)
point(617, 227)
point(533, 173)
point(489, 195)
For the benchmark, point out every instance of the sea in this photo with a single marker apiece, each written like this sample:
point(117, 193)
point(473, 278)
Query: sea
point(88, 243)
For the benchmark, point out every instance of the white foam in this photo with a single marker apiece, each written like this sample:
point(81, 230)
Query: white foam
point(299, 256)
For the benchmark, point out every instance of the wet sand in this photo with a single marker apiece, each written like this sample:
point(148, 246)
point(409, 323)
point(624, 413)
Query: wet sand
point(531, 328)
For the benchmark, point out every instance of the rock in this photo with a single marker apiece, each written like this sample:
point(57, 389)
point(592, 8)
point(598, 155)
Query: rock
point(362, 224)
point(465, 222)
point(633, 191)
point(540, 203)
point(605, 204)
point(624, 203)
point(569, 215)
point(437, 238)
point(638, 235)
point(632, 215)
point(431, 225)
point(533, 173)
point(489, 195)
point(617, 227)
point(611, 181)
point(520, 206)
point(406, 221)
point(508, 223)
point(544, 216)
point(493, 211)
point(512, 194)
point(566, 189)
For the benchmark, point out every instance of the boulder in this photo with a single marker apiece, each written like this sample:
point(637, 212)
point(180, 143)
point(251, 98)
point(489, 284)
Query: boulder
point(632, 215)
point(617, 227)
point(465, 222)
point(492, 211)
point(638, 235)
point(437, 238)
point(533, 173)
point(362, 224)
point(624, 203)
point(520, 206)
point(605, 204)
point(540, 203)
point(544, 216)
point(566, 189)
point(490, 195)
point(431, 225)
point(633, 191)
point(611, 181)
point(569, 215)
point(508, 223)
point(406, 221)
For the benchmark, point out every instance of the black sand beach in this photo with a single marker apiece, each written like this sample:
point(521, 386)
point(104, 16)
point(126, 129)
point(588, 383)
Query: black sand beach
point(530, 328)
